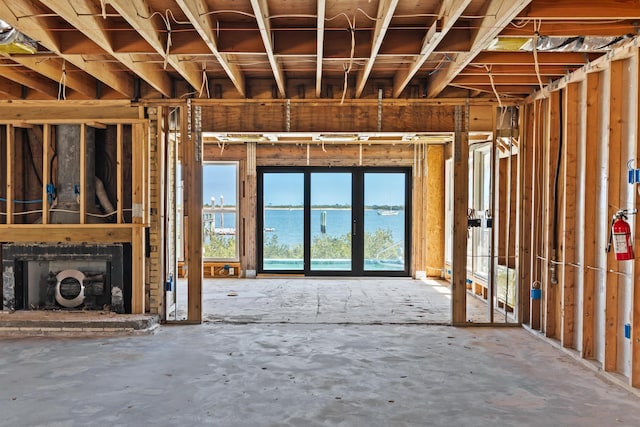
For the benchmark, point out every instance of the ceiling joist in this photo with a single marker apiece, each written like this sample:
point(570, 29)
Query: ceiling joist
point(498, 14)
point(449, 14)
point(261, 12)
point(197, 12)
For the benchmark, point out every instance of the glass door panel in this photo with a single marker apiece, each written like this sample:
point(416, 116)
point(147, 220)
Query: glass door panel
point(283, 221)
point(331, 221)
point(384, 221)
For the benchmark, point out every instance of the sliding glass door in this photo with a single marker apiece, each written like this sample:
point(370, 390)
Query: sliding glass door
point(338, 221)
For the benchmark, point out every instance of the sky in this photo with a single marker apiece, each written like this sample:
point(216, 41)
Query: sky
point(327, 188)
point(220, 180)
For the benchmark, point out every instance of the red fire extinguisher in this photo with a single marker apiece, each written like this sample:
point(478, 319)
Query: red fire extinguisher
point(620, 237)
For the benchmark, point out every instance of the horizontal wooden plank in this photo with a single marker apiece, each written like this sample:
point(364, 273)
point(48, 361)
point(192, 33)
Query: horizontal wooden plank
point(67, 110)
point(66, 233)
point(314, 116)
point(335, 155)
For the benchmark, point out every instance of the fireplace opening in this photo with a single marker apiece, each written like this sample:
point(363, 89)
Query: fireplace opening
point(64, 277)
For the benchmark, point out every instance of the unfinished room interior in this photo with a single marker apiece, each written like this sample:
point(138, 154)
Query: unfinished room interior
point(320, 212)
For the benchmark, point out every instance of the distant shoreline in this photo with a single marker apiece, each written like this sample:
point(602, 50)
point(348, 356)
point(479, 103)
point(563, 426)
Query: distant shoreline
point(267, 208)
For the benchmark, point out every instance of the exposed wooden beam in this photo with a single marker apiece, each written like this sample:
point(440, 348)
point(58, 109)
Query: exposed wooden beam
point(501, 79)
point(261, 11)
point(196, 11)
point(320, 46)
point(517, 70)
point(570, 29)
point(386, 8)
point(32, 26)
point(154, 34)
point(52, 68)
point(544, 58)
point(10, 88)
point(450, 12)
point(36, 82)
point(498, 14)
point(594, 10)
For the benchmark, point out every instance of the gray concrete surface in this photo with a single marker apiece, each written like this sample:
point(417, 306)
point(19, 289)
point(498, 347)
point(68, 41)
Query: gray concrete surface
point(372, 300)
point(305, 375)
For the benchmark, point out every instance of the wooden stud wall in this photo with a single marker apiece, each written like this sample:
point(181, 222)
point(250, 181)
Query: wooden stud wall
point(39, 118)
point(596, 296)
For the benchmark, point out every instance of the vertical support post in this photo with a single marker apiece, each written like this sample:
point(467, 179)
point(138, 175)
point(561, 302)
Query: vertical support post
point(138, 235)
point(525, 214)
point(193, 163)
point(493, 246)
point(248, 193)
point(460, 206)
point(46, 147)
point(550, 253)
point(83, 173)
point(572, 112)
point(418, 257)
point(615, 174)
point(10, 166)
point(119, 187)
point(591, 153)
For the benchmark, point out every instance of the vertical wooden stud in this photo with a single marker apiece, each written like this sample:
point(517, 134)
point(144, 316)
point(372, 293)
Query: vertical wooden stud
point(138, 237)
point(536, 212)
point(615, 173)
point(83, 173)
point(568, 217)
point(46, 151)
point(10, 166)
point(589, 232)
point(119, 187)
point(193, 163)
point(524, 217)
point(460, 206)
point(551, 159)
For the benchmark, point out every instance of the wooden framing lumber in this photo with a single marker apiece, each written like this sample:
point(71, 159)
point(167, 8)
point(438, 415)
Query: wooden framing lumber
point(615, 173)
point(592, 153)
point(10, 178)
point(571, 125)
point(634, 377)
point(46, 152)
point(66, 233)
point(460, 206)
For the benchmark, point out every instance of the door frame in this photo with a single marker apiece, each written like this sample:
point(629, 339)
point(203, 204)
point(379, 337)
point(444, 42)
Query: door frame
point(357, 196)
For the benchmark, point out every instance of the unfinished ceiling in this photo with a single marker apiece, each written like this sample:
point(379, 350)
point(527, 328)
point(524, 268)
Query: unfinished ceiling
point(343, 49)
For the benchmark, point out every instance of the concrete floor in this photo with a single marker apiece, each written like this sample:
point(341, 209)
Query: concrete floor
point(331, 301)
point(305, 375)
point(313, 370)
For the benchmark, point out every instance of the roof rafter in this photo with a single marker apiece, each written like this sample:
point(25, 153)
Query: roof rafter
point(148, 28)
point(53, 68)
point(386, 8)
point(498, 14)
point(30, 25)
point(320, 46)
point(449, 14)
point(10, 88)
point(38, 83)
point(196, 11)
point(261, 11)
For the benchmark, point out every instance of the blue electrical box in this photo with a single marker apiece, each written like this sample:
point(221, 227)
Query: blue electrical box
point(536, 293)
point(627, 330)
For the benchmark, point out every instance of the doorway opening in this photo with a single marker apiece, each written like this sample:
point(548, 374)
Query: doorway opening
point(334, 221)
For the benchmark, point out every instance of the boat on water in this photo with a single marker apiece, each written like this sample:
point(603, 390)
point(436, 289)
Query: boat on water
point(269, 229)
point(387, 212)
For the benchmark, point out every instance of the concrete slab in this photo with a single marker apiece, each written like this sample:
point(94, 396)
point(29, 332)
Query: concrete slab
point(330, 301)
point(305, 375)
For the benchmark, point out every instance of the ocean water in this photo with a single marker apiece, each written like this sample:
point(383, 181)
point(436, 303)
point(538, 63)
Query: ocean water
point(288, 224)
